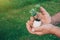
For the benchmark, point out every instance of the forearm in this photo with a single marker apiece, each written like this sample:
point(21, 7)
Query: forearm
point(56, 19)
point(56, 31)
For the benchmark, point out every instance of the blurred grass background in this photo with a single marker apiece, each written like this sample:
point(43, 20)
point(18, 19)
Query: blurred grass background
point(14, 15)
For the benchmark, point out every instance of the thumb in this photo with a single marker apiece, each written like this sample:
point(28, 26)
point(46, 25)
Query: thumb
point(39, 33)
point(43, 11)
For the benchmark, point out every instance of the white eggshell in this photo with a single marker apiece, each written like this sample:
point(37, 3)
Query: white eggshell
point(36, 24)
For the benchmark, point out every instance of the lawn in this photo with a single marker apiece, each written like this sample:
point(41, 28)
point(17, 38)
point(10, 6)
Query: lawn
point(14, 15)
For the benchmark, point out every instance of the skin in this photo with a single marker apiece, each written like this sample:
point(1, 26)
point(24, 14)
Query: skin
point(47, 27)
point(56, 19)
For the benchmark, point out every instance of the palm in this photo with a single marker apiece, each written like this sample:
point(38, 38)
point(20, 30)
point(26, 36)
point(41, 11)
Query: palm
point(44, 16)
point(46, 19)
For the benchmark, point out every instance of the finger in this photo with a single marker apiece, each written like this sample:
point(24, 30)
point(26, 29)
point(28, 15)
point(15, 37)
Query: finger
point(31, 19)
point(28, 22)
point(40, 16)
point(28, 27)
point(39, 33)
point(35, 17)
point(43, 11)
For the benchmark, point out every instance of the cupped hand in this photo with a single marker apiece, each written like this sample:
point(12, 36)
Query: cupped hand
point(44, 29)
point(44, 16)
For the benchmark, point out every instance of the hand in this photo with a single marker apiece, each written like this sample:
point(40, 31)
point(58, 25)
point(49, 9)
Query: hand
point(44, 29)
point(44, 16)
point(29, 25)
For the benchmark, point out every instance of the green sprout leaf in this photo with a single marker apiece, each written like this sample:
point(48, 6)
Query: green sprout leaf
point(35, 10)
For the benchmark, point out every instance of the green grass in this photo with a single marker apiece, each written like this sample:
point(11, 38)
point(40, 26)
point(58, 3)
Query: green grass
point(13, 21)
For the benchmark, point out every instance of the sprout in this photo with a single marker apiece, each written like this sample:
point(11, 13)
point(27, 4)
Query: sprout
point(37, 6)
point(35, 10)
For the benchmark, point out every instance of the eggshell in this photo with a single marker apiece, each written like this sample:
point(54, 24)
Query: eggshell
point(36, 24)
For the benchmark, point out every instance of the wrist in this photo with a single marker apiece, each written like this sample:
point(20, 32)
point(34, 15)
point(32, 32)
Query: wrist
point(54, 30)
point(52, 20)
point(55, 20)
